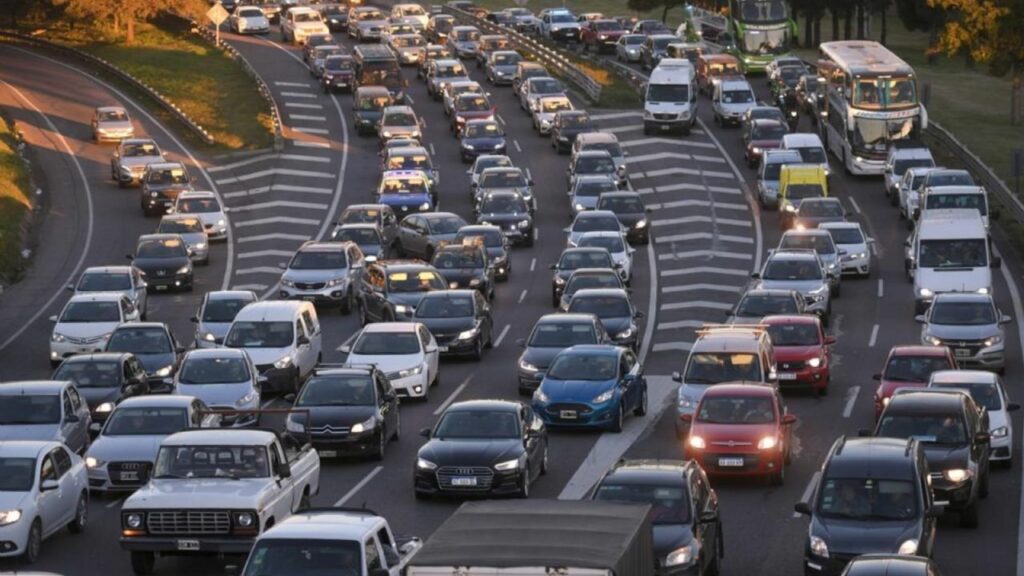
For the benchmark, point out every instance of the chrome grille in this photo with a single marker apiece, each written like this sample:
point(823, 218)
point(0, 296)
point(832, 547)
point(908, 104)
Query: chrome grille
point(484, 477)
point(189, 522)
point(328, 430)
point(309, 285)
point(664, 116)
point(794, 365)
point(87, 340)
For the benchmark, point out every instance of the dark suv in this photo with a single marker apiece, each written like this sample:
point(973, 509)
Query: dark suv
point(873, 497)
point(684, 511)
point(953, 431)
point(392, 289)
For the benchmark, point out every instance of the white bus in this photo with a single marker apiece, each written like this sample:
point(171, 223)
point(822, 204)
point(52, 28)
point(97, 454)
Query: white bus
point(872, 101)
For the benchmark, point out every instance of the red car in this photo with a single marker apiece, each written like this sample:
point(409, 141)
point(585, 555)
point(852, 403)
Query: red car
point(741, 430)
point(760, 135)
point(601, 35)
point(910, 367)
point(470, 106)
point(803, 352)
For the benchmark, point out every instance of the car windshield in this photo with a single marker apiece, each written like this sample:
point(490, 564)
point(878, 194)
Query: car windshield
point(820, 243)
point(576, 366)
point(90, 374)
point(140, 421)
point(214, 371)
point(492, 238)
point(477, 424)
point(717, 367)
point(322, 52)
point(113, 116)
point(386, 343)
point(467, 35)
point(29, 409)
point(669, 504)
point(91, 312)
point(737, 96)
point(169, 176)
point(364, 15)
point(337, 64)
point(306, 17)
point(951, 178)
point(132, 150)
point(449, 259)
point(472, 103)
point(483, 130)
point(445, 307)
point(594, 188)
point(766, 113)
point(560, 18)
point(585, 259)
point(721, 69)
point(575, 120)
point(602, 306)
point(621, 204)
point(338, 390)
point(17, 474)
point(503, 179)
point(846, 235)
point(582, 281)
point(180, 226)
point(546, 86)
point(759, 305)
point(491, 162)
point(552, 105)
point(403, 186)
point(503, 204)
point(223, 310)
point(867, 499)
point(984, 394)
point(104, 282)
point(768, 132)
point(823, 209)
point(600, 223)
point(506, 59)
point(915, 368)
point(612, 244)
point(899, 167)
point(970, 200)
point(409, 162)
point(305, 557)
point(399, 119)
point(946, 428)
point(140, 341)
point(968, 253)
point(595, 165)
point(208, 461)
point(491, 44)
point(962, 313)
point(787, 269)
point(813, 155)
point(803, 334)
point(366, 216)
point(260, 335)
point(197, 205)
point(803, 191)
point(419, 281)
point(633, 39)
point(165, 248)
point(442, 25)
point(361, 236)
point(373, 103)
point(318, 260)
point(791, 75)
point(410, 41)
point(450, 70)
point(736, 410)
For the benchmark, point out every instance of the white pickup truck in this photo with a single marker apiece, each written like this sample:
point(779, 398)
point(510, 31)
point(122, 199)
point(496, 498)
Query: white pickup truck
point(350, 541)
point(213, 491)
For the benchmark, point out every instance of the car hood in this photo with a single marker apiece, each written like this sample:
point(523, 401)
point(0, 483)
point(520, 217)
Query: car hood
point(461, 274)
point(312, 275)
point(737, 109)
point(952, 332)
point(953, 279)
point(171, 265)
point(943, 457)
point(139, 161)
point(30, 432)
point(617, 324)
point(154, 362)
point(864, 536)
point(804, 287)
point(371, 24)
point(220, 493)
point(466, 45)
point(813, 221)
point(851, 249)
point(488, 141)
point(503, 218)
point(218, 329)
point(574, 390)
point(505, 68)
point(13, 500)
point(795, 353)
point(217, 395)
point(126, 448)
point(386, 362)
point(887, 387)
point(460, 452)
point(261, 356)
point(668, 537)
point(85, 329)
point(750, 433)
point(310, 26)
point(447, 326)
point(474, 114)
point(115, 125)
point(96, 396)
point(374, 249)
point(336, 416)
point(540, 357)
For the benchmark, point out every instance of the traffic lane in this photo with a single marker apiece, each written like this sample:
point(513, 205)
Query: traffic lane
point(70, 113)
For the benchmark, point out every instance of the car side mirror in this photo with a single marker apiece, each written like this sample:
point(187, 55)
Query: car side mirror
point(755, 275)
point(263, 381)
point(997, 262)
point(53, 319)
point(289, 397)
point(709, 517)
point(788, 420)
point(425, 432)
point(1005, 319)
point(920, 319)
point(677, 377)
point(686, 417)
point(982, 438)
point(830, 340)
point(194, 319)
point(1012, 406)
point(303, 340)
point(877, 377)
point(284, 470)
point(129, 257)
point(70, 287)
point(802, 508)
point(48, 485)
point(638, 314)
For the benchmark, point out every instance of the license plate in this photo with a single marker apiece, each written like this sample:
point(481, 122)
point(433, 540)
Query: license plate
point(188, 545)
point(162, 286)
point(730, 462)
point(963, 353)
point(464, 481)
point(328, 453)
point(665, 127)
point(130, 476)
point(442, 348)
point(309, 298)
point(568, 414)
point(787, 376)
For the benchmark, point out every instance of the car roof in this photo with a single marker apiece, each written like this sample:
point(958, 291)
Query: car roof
point(870, 458)
point(596, 137)
point(484, 404)
point(202, 353)
point(26, 449)
point(145, 325)
point(800, 139)
point(107, 270)
point(963, 297)
point(461, 293)
point(96, 297)
point(732, 390)
point(950, 377)
point(566, 318)
point(34, 387)
point(138, 141)
point(160, 237)
point(157, 401)
point(889, 565)
point(390, 328)
point(270, 311)
point(398, 265)
point(96, 357)
point(228, 294)
point(919, 350)
point(602, 349)
point(601, 293)
point(314, 246)
point(196, 194)
point(164, 165)
point(647, 471)
point(778, 319)
point(342, 525)
point(766, 122)
point(924, 401)
point(399, 108)
point(791, 254)
point(220, 437)
point(588, 153)
point(839, 226)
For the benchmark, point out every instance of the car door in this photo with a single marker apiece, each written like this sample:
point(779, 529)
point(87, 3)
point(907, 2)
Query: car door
point(139, 288)
point(69, 490)
point(628, 381)
point(483, 313)
point(431, 352)
point(387, 403)
point(83, 417)
point(531, 442)
point(407, 233)
point(48, 501)
point(68, 422)
point(372, 556)
point(129, 313)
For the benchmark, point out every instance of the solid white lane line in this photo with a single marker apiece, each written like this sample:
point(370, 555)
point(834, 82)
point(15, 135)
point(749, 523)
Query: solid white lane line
point(881, 288)
point(355, 489)
point(291, 84)
point(276, 220)
point(451, 397)
point(298, 94)
point(874, 336)
point(501, 336)
point(851, 399)
point(652, 303)
point(308, 117)
point(853, 202)
point(522, 296)
point(516, 144)
point(533, 264)
point(303, 106)
point(432, 152)
point(308, 144)
point(807, 491)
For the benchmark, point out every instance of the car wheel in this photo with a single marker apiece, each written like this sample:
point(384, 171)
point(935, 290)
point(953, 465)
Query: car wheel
point(616, 425)
point(382, 439)
point(349, 303)
point(81, 515)
point(362, 314)
point(779, 477)
point(478, 349)
point(304, 501)
point(715, 568)
point(524, 492)
point(389, 316)
point(142, 563)
point(34, 543)
point(398, 249)
point(397, 434)
point(642, 408)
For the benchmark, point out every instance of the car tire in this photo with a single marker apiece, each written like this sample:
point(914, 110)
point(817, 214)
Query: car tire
point(641, 410)
point(969, 516)
point(382, 439)
point(620, 415)
point(478, 349)
point(142, 563)
point(348, 304)
point(778, 478)
point(398, 249)
point(77, 525)
point(34, 543)
point(983, 488)
point(524, 491)
point(715, 568)
point(554, 299)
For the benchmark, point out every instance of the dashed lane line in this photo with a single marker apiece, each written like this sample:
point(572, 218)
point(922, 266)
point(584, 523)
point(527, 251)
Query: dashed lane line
point(355, 489)
point(501, 336)
point(874, 336)
point(701, 219)
point(303, 106)
point(533, 264)
point(274, 236)
point(451, 397)
point(881, 288)
point(522, 296)
point(275, 172)
point(851, 399)
point(277, 220)
point(807, 491)
point(853, 203)
point(516, 144)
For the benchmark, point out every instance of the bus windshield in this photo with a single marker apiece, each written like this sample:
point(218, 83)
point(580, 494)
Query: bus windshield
point(764, 42)
point(871, 136)
point(884, 93)
point(749, 11)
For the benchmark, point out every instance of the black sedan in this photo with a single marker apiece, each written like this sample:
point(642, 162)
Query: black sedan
point(629, 208)
point(104, 379)
point(466, 266)
point(164, 261)
point(351, 411)
point(551, 334)
point(154, 346)
point(460, 321)
point(584, 278)
point(573, 259)
point(566, 126)
point(482, 447)
point(508, 211)
point(495, 244)
point(614, 309)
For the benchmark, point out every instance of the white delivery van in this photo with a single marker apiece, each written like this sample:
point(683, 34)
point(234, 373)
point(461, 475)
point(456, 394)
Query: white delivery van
point(731, 99)
point(949, 252)
point(670, 101)
point(956, 197)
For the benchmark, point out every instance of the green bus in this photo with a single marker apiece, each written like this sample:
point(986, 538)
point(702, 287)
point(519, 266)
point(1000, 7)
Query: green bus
point(755, 31)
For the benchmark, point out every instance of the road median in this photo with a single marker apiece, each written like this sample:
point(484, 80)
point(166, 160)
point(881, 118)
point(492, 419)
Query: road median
point(15, 205)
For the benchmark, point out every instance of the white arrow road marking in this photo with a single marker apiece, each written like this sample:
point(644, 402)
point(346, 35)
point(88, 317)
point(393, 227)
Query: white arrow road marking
point(276, 172)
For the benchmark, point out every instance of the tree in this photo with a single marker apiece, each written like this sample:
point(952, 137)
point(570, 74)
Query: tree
point(649, 5)
point(881, 7)
point(129, 12)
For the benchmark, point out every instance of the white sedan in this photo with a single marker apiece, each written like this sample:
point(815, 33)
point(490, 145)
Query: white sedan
point(405, 351)
point(207, 207)
point(43, 488)
point(852, 244)
point(616, 245)
point(249, 20)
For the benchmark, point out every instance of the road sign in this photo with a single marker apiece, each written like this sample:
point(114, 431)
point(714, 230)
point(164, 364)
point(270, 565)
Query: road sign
point(217, 14)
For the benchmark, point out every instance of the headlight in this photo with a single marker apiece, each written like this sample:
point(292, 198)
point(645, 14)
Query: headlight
point(221, 222)
point(932, 340)
point(199, 245)
point(956, 475)
point(925, 293)
point(287, 283)
point(680, 556)
point(425, 206)
point(336, 281)
point(209, 337)
point(186, 269)
point(540, 396)
point(524, 365)
point(814, 362)
point(283, 363)
point(92, 462)
point(410, 371)
point(386, 134)
point(982, 290)
point(467, 334)
point(909, 547)
point(603, 397)
point(790, 208)
point(9, 517)
point(1000, 432)
point(57, 337)
point(755, 150)
point(697, 442)
point(886, 400)
point(524, 224)
point(294, 426)
point(993, 341)
point(364, 426)
point(245, 519)
point(105, 407)
point(468, 146)
point(767, 443)
point(559, 280)
point(164, 372)
point(507, 465)
point(425, 464)
point(624, 334)
point(475, 282)
point(154, 194)
point(453, 285)
point(133, 521)
point(818, 547)
point(579, 207)
point(249, 398)
point(402, 309)
point(641, 224)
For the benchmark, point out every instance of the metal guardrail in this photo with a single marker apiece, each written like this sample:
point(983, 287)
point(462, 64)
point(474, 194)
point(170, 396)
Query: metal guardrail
point(535, 50)
point(111, 68)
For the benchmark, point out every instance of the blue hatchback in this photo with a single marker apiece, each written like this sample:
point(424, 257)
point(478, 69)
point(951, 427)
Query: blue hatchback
point(405, 191)
point(592, 386)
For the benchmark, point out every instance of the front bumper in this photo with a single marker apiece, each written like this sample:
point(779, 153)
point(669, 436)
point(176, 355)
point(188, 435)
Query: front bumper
point(815, 378)
point(168, 281)
point(113, 135)
point(330, 446)
point(956, 496)
point(578, 414)
point(860, 265)
point(14, 537)
point(414, 386)
point(754, 463)
point(529, 380)
point(331, 295)
point(197, 545)
point(833, 566)
point(159, 205)
point(496, 483)
point(62, 350)
point(337, 82)
point(472, 153)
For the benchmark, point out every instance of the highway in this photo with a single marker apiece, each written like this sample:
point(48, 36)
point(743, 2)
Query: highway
point(707, 237)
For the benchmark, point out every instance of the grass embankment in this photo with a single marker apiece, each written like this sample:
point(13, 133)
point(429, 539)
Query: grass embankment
point(208, 86)
point(14, 204)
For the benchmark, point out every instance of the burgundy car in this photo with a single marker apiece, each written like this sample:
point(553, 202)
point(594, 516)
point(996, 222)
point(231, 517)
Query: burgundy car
point(470, 107)
point(760, 135)
point(910, 367)
point(601, 35)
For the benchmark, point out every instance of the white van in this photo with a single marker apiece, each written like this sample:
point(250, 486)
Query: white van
point(949, 252)
point(731, 99)
point(954, 197)
point(811, 150)
point(284, 339)
point(670, 101)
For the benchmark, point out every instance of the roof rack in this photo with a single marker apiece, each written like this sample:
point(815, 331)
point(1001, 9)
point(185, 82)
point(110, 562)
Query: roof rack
point(738, 329)
point(341, 366)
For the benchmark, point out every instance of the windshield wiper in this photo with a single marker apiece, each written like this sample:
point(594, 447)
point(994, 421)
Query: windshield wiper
point(220, 473)
point(172, 476)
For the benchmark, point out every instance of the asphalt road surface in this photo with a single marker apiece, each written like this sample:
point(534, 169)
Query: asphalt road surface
point(708, 236)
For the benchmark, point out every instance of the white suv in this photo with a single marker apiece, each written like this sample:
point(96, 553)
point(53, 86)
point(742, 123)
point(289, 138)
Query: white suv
point(300, 23)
